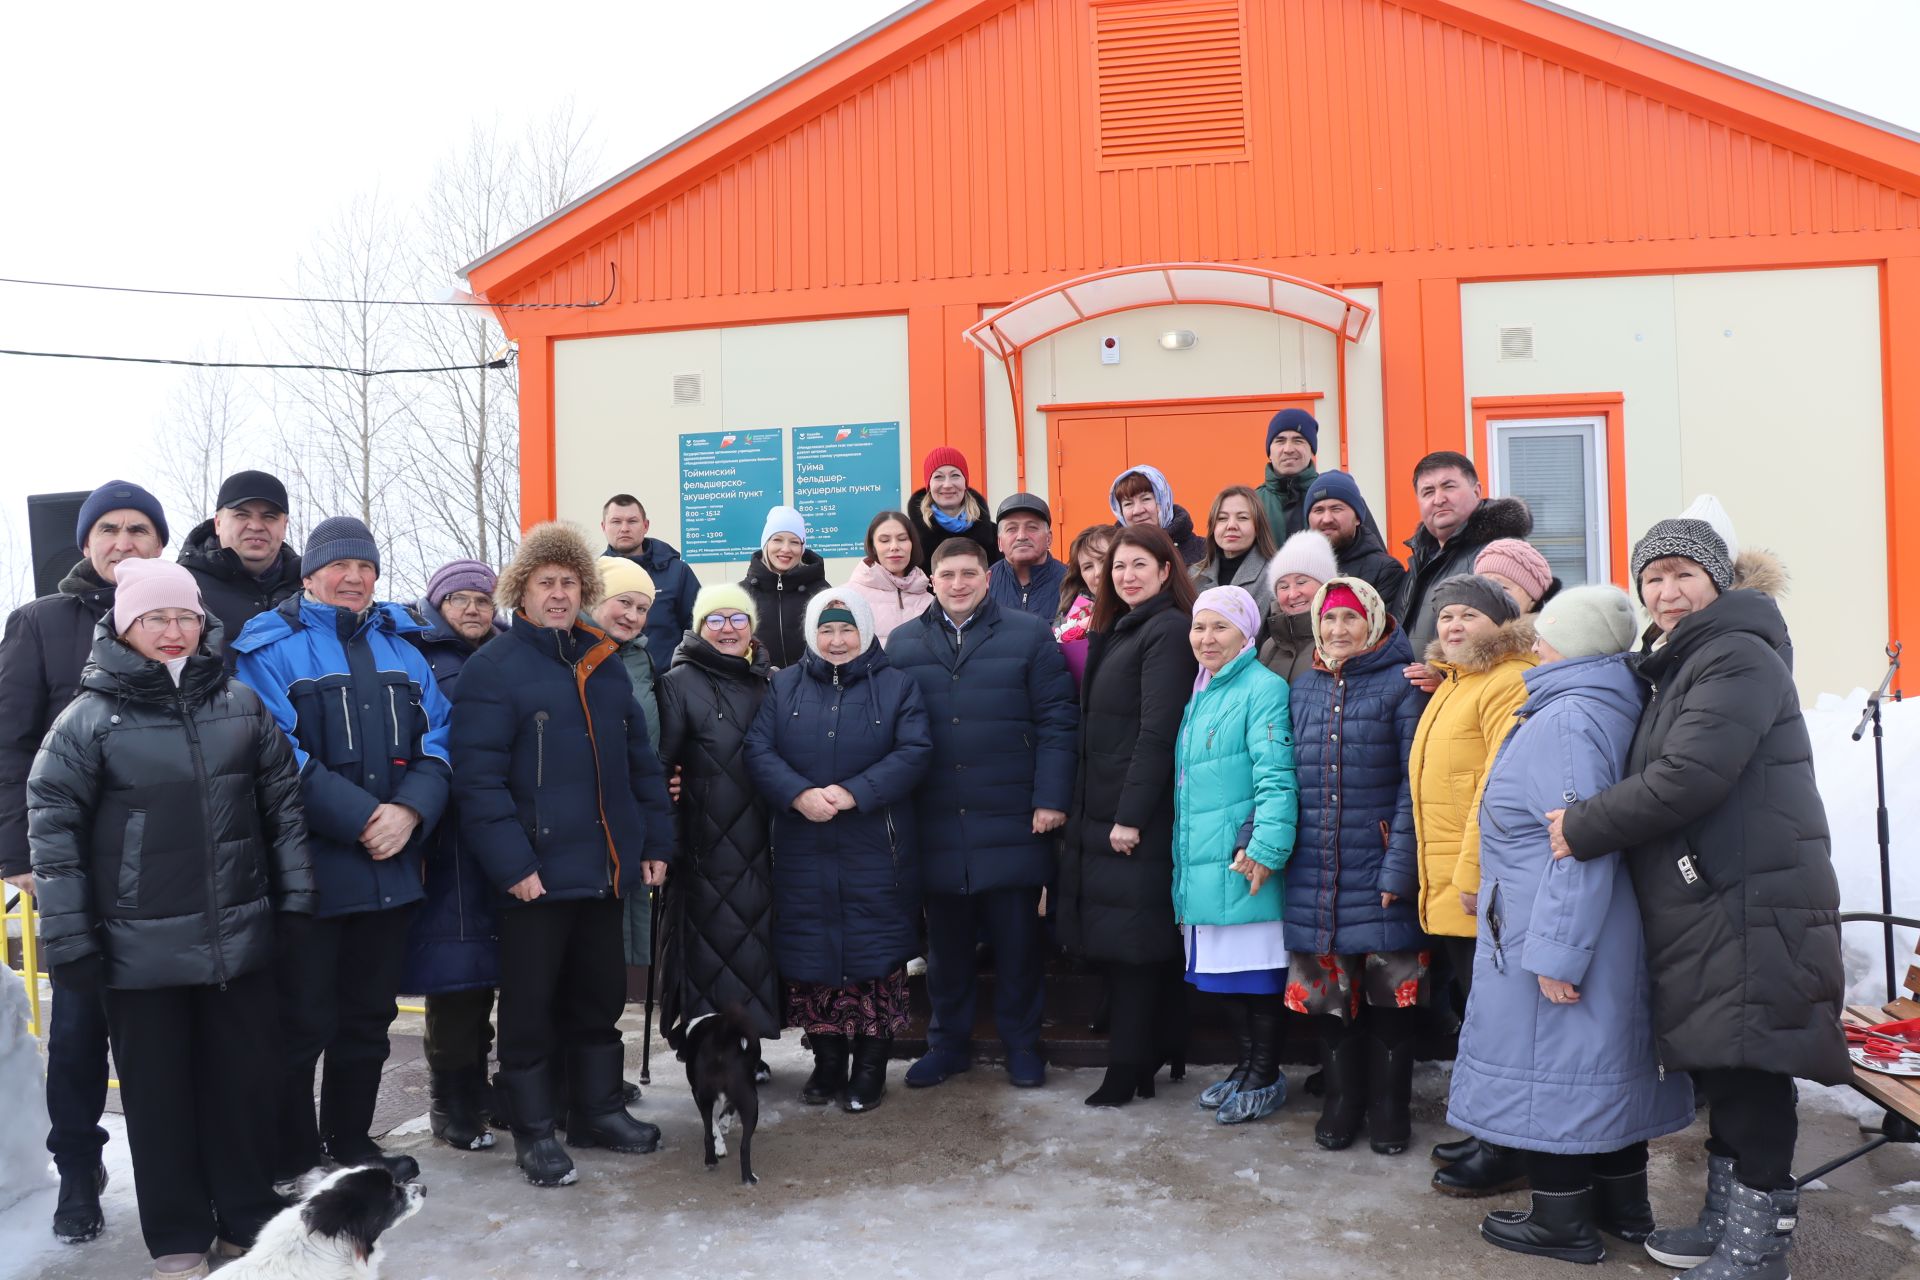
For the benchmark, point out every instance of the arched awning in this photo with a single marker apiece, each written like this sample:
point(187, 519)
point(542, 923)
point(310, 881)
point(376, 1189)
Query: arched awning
point(1040, 315)
point(1104, 293)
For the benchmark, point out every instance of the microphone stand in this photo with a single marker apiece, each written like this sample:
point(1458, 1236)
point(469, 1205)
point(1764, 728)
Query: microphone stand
point(1871, 714)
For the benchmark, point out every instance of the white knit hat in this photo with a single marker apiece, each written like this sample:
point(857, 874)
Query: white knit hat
point(1707, 507)
point(1585, 622)
point(783, 520)
point(1306, 552)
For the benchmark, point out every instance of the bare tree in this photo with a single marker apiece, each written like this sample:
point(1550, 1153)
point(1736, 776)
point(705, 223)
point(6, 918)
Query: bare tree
point(209, 421)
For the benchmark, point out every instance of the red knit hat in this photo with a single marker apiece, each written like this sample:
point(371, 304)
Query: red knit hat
point(943, 455)
point(1341, 596)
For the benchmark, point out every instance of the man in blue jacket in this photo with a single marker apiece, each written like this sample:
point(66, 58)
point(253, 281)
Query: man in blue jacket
point(624, 522)
point(1004, 722)
point(1027, 576)
point(369, 730)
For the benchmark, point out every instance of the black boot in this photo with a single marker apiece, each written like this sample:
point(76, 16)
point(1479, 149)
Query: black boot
point(1239, 1008)
point(1389, 1094)
point(77, 1216)
point(1343, 1067)
point(867, 1082)
point(598, 1114)
point(538, 1153)
point(1622, 1210)
point(1263, 1088)
point(1123, 1082)
point(454, 1112)
point(1558, 1225)
point(1446, 1153)
point(347, 1099)
point(829, 1078)
point(1489, 1171)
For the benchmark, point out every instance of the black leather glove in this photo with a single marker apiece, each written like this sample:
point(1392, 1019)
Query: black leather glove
point(86, 976)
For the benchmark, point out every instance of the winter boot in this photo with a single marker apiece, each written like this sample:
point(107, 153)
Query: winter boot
point(1758, 1237)
point(1218, 1092)
point(829, 1078)
point(598, 1115)
point(77, 1216)
point(1623, 1211)
point(1389, 1095)
point(1691, 1246)
point(1263, 1088)
point(1446, 1153)
point(867, 1082)
point(1123, 1082)
point(538, 1153)
point(1489, 1171)
point(454, 1111)
point(347, 1099)
point(1343, 1068)
point(1558, 1225)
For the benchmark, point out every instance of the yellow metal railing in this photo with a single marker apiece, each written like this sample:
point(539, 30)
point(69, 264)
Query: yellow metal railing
point(22, 910)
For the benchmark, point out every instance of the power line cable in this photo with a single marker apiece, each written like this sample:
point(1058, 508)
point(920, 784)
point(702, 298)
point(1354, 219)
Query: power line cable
point(613, 276)
point(501, 363)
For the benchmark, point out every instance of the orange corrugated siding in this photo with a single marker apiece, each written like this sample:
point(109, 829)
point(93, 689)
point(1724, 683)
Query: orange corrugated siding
point(1372, 128)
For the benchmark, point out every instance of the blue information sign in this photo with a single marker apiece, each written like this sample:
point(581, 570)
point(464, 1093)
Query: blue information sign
point(842, 475)
point(728, 479)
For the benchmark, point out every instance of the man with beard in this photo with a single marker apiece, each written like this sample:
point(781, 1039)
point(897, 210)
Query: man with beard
point(1336, 510)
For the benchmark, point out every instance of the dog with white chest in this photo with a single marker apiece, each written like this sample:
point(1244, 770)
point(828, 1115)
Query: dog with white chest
point(334, 1232)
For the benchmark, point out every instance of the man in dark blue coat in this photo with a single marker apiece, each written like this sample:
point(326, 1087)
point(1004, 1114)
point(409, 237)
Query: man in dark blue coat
point(453, 955)
point(563, 804)
point(1027, 577)
point(369, 730)
point(624, 522)
point(1004, 720)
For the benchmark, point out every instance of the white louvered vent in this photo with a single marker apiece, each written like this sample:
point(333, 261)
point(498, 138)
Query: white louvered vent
point(686, 388)
point(1516, 342)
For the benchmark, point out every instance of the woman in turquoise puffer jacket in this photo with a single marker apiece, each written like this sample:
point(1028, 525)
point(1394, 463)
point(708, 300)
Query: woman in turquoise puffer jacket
point(1234, 809)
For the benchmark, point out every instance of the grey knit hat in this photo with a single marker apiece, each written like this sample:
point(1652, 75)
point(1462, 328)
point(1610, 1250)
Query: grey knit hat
point(1477, 592)
point(1585, 622)
point(339, 538)
point(1695, 540)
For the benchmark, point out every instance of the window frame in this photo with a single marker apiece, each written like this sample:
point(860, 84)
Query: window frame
point(1604, 413)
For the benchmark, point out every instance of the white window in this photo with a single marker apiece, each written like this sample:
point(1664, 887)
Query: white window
point(1558, 465)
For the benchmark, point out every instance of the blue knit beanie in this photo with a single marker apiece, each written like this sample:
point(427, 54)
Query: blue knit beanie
point(339, 538)
point(113, 496)
point(1339, 487)
point(1295, 420)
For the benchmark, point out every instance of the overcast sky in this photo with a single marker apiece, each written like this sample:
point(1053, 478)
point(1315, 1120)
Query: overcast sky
point(200, 146)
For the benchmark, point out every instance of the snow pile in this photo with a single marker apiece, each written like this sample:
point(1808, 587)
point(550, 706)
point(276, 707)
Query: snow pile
point(1845, 771)
point(23, 1085)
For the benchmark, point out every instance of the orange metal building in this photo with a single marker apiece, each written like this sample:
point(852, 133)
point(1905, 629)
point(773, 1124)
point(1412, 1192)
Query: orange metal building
point(1450, 224)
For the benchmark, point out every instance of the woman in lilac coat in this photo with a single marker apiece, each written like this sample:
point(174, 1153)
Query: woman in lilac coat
point(1557, 1054)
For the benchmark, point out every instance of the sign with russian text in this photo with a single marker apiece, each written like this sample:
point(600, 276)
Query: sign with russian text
point(728, 479)
point(842, 475)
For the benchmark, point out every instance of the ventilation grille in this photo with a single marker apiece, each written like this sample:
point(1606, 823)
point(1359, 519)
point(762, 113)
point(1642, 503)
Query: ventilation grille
point(1171, 80)
point(1516, 342)
point(686, 388)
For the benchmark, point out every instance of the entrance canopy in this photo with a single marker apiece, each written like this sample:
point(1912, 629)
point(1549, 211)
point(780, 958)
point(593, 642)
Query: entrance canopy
point(1104, 293)
point(1041, 315)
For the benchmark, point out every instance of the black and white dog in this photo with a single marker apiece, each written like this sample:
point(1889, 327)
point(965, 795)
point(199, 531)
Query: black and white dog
point(722, 1053)
point(333, 1233)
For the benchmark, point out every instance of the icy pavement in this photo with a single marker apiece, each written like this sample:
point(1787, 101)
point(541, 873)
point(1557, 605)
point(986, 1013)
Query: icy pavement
point(978, 1179)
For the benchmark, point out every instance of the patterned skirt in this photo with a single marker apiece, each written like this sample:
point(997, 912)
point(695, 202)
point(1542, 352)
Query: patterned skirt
point(1337, 985)
point(877, 1007)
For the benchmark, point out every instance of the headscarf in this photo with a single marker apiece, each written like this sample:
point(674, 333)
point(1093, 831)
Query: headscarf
point(1162, 493)
point(1372, 606)
point(1237, 607)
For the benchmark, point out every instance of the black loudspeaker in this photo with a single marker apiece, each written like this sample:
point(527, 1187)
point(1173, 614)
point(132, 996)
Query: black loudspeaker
point(50, 521)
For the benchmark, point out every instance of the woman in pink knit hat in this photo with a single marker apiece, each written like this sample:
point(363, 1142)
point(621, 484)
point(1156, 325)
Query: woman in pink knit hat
point(948, 506)
point(1521, 571)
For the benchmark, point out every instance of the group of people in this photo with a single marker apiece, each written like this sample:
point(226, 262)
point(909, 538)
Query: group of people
point(1260, 759)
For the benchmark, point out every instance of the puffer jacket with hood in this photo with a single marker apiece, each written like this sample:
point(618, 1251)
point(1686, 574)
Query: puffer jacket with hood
point(1173, 517)
point(1726, 835)
point(1466, 720)
point(780, 604)
point(893, 599)
point(229, 591)
point(166, 822)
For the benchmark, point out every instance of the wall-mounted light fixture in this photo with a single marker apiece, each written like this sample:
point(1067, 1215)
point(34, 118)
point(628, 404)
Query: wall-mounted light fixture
point(1178, 339)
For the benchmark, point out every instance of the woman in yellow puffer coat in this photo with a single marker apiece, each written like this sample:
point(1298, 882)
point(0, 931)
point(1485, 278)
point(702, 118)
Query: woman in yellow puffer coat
point(1482, 654)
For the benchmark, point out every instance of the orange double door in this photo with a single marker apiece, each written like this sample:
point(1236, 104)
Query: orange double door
point(1202, 446)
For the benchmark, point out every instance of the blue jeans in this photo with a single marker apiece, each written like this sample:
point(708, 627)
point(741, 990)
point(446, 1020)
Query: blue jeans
point(76, 1079)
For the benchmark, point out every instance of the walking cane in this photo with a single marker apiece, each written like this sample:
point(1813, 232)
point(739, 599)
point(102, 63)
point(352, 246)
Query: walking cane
point(653, 972)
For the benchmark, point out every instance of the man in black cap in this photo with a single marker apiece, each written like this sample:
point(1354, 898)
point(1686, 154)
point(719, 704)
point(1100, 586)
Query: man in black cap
point(46, 646)
point(1027, 577)
point(240, 557)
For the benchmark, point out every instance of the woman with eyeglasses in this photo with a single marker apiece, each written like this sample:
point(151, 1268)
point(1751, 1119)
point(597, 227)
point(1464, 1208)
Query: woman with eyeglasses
point(169, 845)
point(716, 944)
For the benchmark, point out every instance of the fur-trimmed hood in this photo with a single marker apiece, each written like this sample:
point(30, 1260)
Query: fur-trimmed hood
point(1483, 653)
point(1493, 519)
point(1760, 570)
point(555, 542)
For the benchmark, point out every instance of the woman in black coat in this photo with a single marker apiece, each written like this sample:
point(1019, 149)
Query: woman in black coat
point(837, 748)
point(947, 506)
point(781, 578)
point(1727, 841)
point(716, 946)
point(169, 848)
point(1116, 870)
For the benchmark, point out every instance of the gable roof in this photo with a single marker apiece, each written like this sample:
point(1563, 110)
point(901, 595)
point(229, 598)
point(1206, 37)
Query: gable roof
point(944, 71)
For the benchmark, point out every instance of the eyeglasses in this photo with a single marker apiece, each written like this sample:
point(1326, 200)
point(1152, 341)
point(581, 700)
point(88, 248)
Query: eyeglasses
point(464, 600)
point(155, 624)
point(721, 621)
